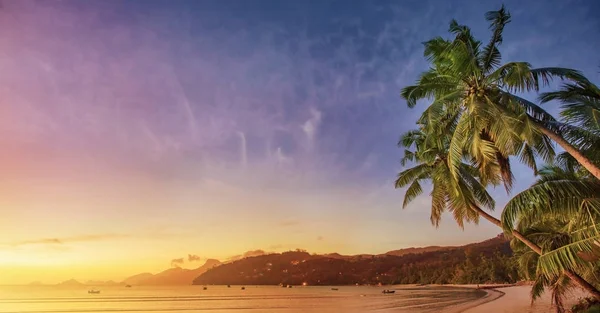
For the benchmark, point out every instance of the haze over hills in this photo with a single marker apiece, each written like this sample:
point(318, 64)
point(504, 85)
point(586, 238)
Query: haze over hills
point(71, 282)
point(172, 276)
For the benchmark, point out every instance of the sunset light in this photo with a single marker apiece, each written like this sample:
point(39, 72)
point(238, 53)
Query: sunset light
point(337, 156)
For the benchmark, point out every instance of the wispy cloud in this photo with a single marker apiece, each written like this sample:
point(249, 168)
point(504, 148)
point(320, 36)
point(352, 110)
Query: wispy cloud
point(311, 126)
point(247, 254)
point(243, 149)
point(66, 240)
point(194, 258)
point(282, 113)
point(177, 262)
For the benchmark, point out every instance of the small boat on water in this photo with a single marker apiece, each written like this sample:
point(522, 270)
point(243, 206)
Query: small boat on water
point(335, 289)
point(289, 286)
point(243, 288)
point(228, 286)
point(204, 288)
point(388, 291)
point(127, 286)
point(93, 291)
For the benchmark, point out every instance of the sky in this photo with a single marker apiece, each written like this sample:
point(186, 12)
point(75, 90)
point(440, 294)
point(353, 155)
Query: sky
point(134, 133)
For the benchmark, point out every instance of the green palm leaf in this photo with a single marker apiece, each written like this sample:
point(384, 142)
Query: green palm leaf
point(567, 257)
point(491, 57)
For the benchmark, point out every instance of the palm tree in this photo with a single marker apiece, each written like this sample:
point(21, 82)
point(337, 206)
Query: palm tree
point(563, 196)
point(581, 130)
point(468, 81)
point(475, 123)
point(546, 233)
point(464, 197)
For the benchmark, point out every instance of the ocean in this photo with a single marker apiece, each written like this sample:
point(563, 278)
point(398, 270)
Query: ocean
point(220, 299)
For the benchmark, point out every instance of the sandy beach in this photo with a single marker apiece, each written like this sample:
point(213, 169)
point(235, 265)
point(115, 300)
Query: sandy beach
point(516, 300)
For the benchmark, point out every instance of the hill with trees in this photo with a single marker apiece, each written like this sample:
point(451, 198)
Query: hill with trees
point(488, 261)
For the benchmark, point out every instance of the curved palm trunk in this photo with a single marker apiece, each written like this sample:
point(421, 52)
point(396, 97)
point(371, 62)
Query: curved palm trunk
point(583, 160)
point(572, 275)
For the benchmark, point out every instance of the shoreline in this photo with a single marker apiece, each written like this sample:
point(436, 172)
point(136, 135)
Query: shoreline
point(514, 299)
point(491, 296)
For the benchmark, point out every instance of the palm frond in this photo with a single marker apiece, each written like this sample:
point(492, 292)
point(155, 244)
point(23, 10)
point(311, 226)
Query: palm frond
point(545, 75)
point(455, 153)
point(567, 257)
point(490, 54)
point(413, 191)
point(549, 197)
point(407, 176)
point(538, 287)
point(410, 138)
point(438, 203)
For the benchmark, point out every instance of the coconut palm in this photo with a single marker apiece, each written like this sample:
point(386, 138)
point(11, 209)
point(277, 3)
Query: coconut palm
point(545, 233)
point(462, 197)
point(474, 124)
point(468, 81)
point(550, 233)
point(465, 197)
point(561, 195)
point(581, 130)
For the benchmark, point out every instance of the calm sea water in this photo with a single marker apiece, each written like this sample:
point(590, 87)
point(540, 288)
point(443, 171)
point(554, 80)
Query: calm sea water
point(29, 299)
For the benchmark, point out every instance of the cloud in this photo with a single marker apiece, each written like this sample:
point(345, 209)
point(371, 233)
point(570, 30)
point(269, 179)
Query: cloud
point(243, 149)
point(275, 247)
point(65, 240)
point(311, 126)
point(193, 258)
point(288, 223)
point(252, 253)
point(282, 159)
point(248, 254)
point(177, 262)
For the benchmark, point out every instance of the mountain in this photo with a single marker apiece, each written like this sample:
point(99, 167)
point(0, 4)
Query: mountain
point(402, 252)
point(413, 265)
point(70, 282)
point(347, 257)
point(172, 276)
point(101, 283)
point(137, 279)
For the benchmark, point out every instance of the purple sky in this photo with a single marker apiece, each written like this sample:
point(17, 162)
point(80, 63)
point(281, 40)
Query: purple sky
point(216, 127)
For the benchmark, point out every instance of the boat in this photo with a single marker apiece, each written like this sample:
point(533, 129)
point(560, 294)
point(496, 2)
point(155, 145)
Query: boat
point(289, 286)
point(334, 289)
point(93, 291)
point(228, 286)
point(388, 291)
point(128, 286)
point(204, 288)
point(243, 288)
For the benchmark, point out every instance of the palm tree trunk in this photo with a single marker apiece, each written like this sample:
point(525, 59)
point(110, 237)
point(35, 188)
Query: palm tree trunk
point(572, 275)
point(583, 284)
point(583, 160)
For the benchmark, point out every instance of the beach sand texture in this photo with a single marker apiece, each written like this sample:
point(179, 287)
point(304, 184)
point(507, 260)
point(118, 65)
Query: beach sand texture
point(517, 300)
